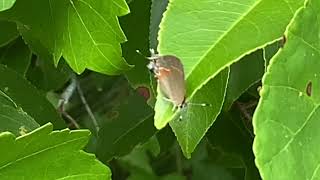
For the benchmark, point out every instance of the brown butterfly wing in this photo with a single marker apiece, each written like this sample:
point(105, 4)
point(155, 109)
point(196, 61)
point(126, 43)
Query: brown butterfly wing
point(171, 79)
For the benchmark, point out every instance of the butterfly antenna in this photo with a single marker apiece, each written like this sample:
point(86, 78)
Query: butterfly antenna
point(200, 104)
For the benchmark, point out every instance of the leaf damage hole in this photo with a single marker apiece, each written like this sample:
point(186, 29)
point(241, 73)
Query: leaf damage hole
point(309, 88)
point(144, 92)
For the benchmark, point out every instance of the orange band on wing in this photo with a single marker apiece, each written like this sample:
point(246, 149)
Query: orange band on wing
point(163, 72)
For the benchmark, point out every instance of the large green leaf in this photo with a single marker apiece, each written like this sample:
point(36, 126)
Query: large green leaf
point(6, 4)
point(8, 32)
point(209, 36)
point(136, 28)
point(43, 154)
point(27, 97)
point(86, 33)
point(286, 121)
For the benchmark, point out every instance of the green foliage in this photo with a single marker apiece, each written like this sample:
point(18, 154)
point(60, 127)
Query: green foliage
point(241, 79)
point(287, 115)
point(131, 126)
point(74, 64)
point(85, 33)
point(27, 97)
point(44, 154)
point(17, 56)
point(8, 32)
point(15, 120)
point(208, 47)
point(6, 4)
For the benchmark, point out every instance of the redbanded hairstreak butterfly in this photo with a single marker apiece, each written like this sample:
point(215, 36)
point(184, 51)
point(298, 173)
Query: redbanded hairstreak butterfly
point(169, 72)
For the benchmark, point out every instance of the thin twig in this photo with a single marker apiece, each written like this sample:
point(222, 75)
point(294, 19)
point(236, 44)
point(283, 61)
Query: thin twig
point(67, 94)
point(64, 99)
point(88, 109)
point(246, 115)
point(244, 111)
point(73, 121)
point(251, 104)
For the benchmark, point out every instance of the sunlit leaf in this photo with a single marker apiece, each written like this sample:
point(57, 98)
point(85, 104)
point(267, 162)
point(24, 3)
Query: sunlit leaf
point(6, 4)
point(86, 33)
point(47, 154)
point(209, 36)
point(287, 118)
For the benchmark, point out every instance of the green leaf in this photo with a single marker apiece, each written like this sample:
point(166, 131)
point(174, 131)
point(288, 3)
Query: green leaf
point(208, 171)
point(86, 33)
point(6, 4)
point(17, 56)
point(133, 125)
point(215, 34)
point(166, 139)
point(244, 74)
point(287, 118)
point(269, 51)
point(15, 120)
point(196, 120)
point(209, 36)
point(43, 154)
point(230, 138)
point(8, 32)
point(28, 97)
point(136, 28)
point(45, 76)
point(157, 10)
point(203, 166)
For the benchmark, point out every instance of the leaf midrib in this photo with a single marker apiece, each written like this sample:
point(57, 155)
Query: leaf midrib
point(214, 45)
point(131, 129)
point(96, 45)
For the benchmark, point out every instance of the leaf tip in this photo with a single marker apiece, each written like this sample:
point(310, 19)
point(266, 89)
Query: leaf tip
point(159, 124)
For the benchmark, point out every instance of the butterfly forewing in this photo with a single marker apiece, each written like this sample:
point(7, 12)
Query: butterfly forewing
point(171, 79)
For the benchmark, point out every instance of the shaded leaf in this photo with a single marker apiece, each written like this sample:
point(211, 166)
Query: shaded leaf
point(136, 28)
point(207, 171)
point(244, 74)
point(17, 56)
point(86, 33)
point(231, 139)
point(52, 155)
point(28, 97)
point(8, 32)
point(45, 76)
point(132, 126)
point(202, 166)
point(15, 120)
point(269, 51)
point(287, 119)
point(157, 9)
